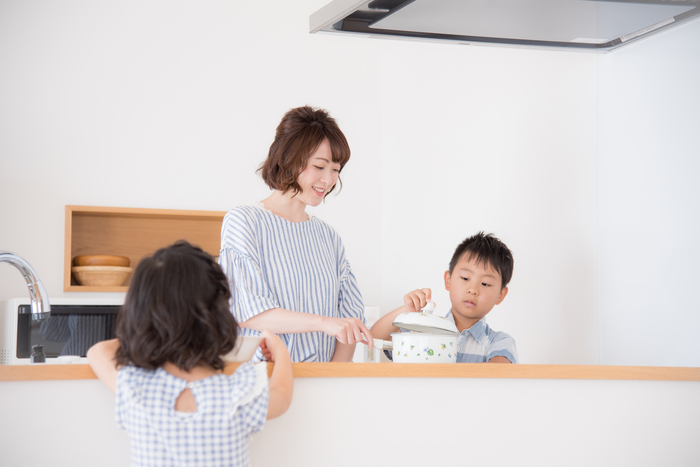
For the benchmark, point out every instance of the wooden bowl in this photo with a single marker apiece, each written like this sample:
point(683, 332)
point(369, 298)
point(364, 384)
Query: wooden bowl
point(101, 276)
point(101, 260)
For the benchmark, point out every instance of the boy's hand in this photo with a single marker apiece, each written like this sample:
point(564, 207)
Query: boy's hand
point(272, 346)
point(414, 301)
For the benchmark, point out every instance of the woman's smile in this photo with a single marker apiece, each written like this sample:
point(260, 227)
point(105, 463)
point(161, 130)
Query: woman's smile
point(319, 176)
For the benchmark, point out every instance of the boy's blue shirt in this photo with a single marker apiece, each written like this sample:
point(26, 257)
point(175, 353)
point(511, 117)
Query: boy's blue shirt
point(480, 343)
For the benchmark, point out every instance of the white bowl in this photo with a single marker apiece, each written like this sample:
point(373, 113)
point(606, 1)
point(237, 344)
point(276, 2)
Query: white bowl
point(244, 350)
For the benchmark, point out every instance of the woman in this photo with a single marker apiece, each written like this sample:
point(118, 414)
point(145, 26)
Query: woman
point(287, 270)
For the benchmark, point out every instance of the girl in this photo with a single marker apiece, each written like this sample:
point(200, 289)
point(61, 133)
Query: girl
point(175, 403)
point(287, 270)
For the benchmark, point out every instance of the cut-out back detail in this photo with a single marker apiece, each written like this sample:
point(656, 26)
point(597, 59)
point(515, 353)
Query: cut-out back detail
point(186, 402)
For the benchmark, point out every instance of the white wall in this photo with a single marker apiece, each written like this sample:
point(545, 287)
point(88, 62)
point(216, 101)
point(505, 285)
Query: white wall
point(502, 141)
point(649, 201)
point(174, 104)
point(167, 104)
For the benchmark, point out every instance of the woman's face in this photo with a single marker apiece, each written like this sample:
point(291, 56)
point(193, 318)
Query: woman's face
point(319, 176)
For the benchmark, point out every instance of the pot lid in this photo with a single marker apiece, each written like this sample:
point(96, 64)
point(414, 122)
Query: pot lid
point(425, 321)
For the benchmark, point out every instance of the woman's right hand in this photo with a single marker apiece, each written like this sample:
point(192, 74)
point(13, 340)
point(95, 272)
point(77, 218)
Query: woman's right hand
point(348, 330)
point(416, 300)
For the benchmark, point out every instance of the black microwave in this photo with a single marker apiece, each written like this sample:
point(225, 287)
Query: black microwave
point(71, 329)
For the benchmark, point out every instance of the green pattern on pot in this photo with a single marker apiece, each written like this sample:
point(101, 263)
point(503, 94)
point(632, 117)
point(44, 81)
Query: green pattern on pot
point(420, 347)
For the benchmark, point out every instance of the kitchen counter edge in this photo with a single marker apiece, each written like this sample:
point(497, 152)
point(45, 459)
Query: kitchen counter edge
point(402, 370)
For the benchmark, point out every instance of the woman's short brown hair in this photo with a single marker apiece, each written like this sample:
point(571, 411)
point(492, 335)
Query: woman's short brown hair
point(299, 134)
point(176, 310)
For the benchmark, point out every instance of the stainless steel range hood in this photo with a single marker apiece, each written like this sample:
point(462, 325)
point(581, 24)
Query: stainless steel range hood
point(585, 25)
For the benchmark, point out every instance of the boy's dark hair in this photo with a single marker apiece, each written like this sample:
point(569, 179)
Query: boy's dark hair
point(176, 310)
point(298, 136)
point(488, 250)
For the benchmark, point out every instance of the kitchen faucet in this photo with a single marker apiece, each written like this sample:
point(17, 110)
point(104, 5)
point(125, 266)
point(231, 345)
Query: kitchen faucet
point(40, 300)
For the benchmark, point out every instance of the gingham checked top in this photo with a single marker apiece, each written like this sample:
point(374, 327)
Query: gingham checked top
point(229, 409)
point(300, 266)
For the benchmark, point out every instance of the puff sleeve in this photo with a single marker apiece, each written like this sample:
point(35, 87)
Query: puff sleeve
point(250, 292)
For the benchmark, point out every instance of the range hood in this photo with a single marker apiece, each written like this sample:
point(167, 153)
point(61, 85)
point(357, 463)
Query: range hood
point(585, 25)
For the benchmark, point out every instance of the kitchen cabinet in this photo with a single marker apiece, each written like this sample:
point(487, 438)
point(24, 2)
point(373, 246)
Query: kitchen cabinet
point(135, 233)
point(397, 414)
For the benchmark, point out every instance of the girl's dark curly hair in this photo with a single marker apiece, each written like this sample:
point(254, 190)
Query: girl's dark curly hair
point(176, 310)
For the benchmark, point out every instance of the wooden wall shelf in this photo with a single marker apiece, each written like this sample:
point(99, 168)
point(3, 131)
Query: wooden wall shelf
point(133, 232)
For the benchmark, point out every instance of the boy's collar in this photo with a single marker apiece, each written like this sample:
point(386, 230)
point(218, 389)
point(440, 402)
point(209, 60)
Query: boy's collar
point(478, 329)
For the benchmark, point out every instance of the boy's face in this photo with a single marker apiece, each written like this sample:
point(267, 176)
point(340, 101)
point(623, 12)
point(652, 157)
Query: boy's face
point(474, 290)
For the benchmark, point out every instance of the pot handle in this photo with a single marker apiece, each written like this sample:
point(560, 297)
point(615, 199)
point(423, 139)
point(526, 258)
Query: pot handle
point(382, 345)
point(428, 308)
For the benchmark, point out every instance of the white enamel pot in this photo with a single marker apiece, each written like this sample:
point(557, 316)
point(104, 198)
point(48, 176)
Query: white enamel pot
point(432, 338)
point(421, 347)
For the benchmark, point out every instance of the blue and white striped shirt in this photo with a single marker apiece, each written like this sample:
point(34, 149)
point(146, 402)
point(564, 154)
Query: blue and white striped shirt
point(271, 262)
point(480, 343)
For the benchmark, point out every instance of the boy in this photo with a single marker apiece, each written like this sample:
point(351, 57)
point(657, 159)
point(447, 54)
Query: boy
point(477, 280)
